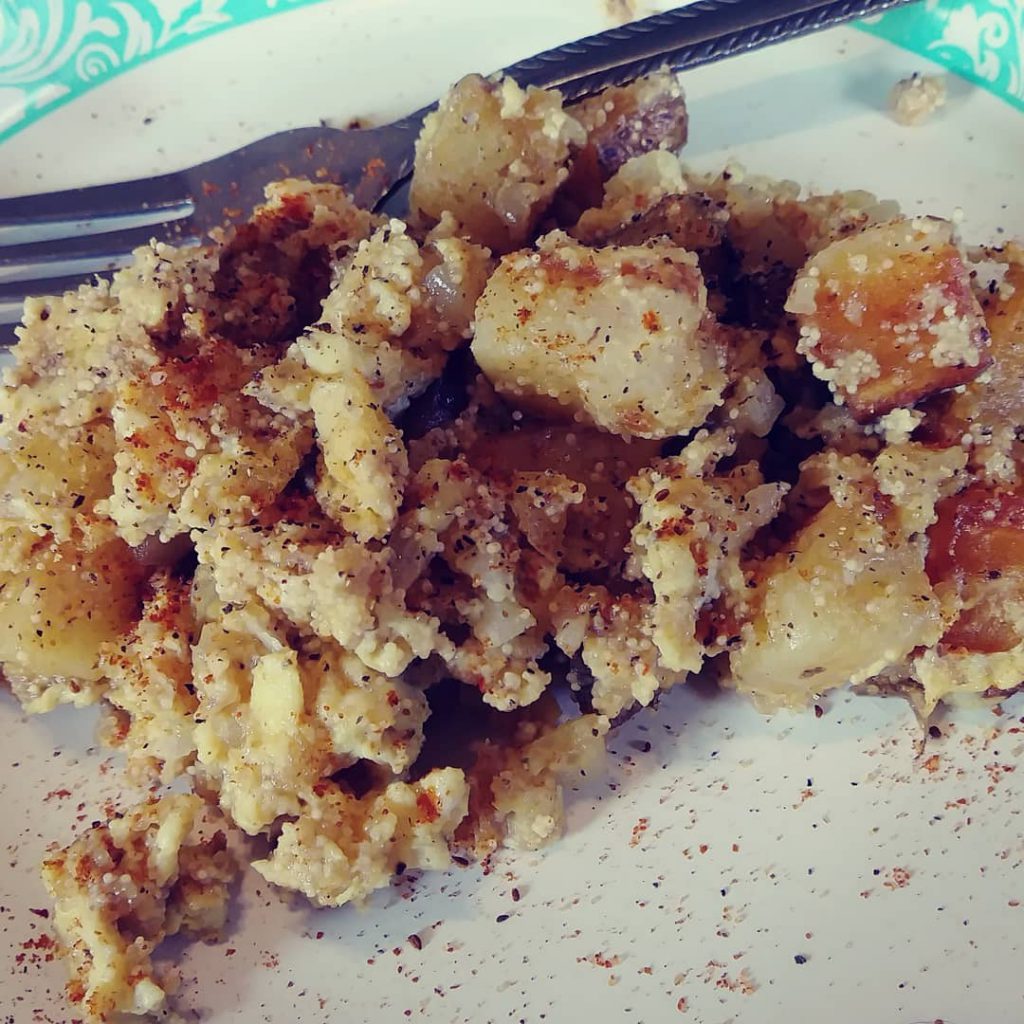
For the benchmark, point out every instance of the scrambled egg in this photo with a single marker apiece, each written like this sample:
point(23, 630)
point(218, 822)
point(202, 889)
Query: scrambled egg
point(269, 500)
point(122, 888)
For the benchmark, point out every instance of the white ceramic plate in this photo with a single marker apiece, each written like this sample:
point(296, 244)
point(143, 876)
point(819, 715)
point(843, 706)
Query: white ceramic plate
point(730, 867)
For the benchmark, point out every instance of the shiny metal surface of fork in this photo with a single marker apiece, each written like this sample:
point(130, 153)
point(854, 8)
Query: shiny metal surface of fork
point(50, 242)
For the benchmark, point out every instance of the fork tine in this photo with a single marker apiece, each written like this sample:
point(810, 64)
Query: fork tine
point(84, 253)
point(94, 210)
point(46, 231)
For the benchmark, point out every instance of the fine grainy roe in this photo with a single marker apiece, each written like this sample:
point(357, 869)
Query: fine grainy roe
point(324, 514)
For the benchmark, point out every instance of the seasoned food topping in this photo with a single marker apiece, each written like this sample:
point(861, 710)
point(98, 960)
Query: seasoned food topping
point(328, 515)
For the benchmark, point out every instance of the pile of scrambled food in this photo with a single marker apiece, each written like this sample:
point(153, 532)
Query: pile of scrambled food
point(324, 514)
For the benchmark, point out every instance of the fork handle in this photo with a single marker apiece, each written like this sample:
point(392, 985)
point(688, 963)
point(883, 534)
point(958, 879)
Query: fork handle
point(685, 37)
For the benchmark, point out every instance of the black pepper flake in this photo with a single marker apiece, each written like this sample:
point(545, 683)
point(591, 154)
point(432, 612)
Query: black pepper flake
point(800, 959)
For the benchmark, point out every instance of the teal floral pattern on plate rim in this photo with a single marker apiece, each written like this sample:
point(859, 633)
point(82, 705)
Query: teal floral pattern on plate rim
point(981, 40)
point(52, 51)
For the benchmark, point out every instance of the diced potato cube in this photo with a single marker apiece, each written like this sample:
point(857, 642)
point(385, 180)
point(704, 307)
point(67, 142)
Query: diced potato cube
point(51, 477)
point(616, 337)
point(987, 414)
point(57, 612)
point(1004, 314)
point(888, 316)
point(976, 548)
point(844, 601)
point(493, 154)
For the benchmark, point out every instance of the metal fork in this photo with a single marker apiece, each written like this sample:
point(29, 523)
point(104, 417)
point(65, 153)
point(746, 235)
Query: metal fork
point(49, 242)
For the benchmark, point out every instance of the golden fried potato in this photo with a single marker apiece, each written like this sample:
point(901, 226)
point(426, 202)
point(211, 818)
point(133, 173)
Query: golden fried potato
point(614, 337)
point(977, 548)
point(56, 614)
point(772, 226)
point(50, 479)
point(888, 317)
point(1004, 314)
point(692, 221)
point(852, 571)
point(493, 154)
point(634, 191)
point(985, 415)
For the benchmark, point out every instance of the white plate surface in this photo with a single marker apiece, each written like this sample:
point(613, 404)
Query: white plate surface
point(697, 871)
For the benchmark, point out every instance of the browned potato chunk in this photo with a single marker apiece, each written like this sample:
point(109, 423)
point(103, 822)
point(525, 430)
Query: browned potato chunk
point(977, 548)
point(58, 612)
point(846, 597)
point(986, 415)
point(616, 337)
point(625, 121)
point(773, 227)
point(846, 577)
point(493, 154)
point(888, 316)
point(1004, 314)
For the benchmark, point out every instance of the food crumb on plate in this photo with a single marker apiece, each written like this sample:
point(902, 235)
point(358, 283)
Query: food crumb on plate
point(914, 100)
